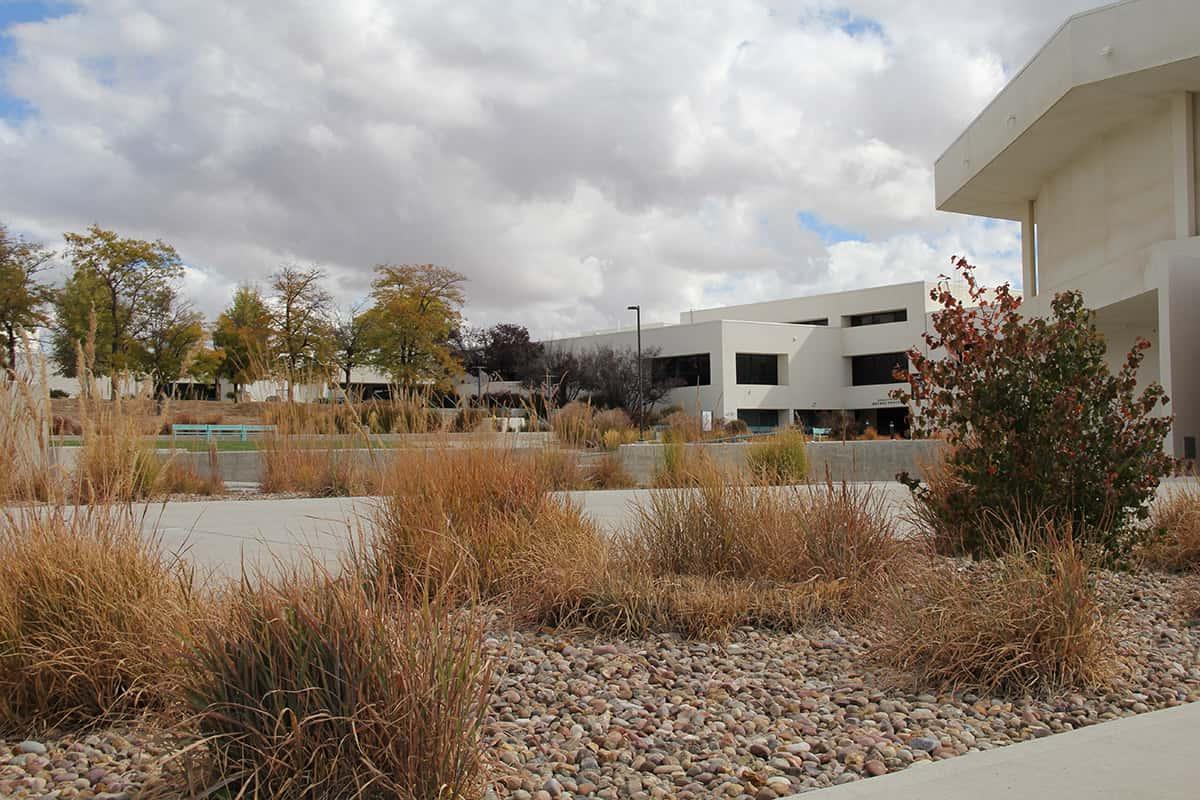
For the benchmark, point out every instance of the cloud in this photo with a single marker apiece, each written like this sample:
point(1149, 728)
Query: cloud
point(568, 158)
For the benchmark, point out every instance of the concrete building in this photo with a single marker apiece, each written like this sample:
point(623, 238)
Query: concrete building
point(1092, 147)
point(800, 360)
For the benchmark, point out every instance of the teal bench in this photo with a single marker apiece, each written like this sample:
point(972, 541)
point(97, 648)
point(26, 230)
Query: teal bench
point(820, 433)
point(215, 431)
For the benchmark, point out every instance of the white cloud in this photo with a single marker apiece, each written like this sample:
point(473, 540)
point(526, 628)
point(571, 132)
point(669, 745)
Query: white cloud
point(570, 158)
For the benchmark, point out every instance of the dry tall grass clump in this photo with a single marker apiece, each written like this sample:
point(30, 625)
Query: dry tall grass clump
point(682, 465)
point(683, 427)
point(766, 555)
point(291, 464)
point(405, 412)
point(25, 428)
point(116, 461)
point(478, 524)
point(310, 686)
point(558, 470)
point(92, 614)
point(942, 509)
point(614, 428)
point(1029, 620)
point(1173, 541)
point(180, 476)
point(608, 472)
point(575, 424)
point(780, 458)
point(320, 451)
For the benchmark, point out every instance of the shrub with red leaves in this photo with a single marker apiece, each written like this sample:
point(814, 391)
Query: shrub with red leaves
point(1036, 420)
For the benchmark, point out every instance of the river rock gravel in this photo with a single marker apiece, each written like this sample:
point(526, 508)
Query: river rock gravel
point(759, 715)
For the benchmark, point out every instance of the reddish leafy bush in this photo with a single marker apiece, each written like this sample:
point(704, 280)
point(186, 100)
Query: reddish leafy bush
point(1035, 417)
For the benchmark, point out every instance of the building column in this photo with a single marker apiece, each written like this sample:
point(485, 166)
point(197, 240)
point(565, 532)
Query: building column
point(1028, 251)
point(1183, 163)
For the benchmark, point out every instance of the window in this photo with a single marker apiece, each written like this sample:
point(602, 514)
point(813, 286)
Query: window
point(690, 370)
point(878, 318)
point(821, 321)
point(759, 417)
point(758, 369)
point(876, 369)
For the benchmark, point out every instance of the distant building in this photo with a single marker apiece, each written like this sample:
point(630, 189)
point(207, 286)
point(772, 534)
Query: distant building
point(1092, 147)
point(803, 360)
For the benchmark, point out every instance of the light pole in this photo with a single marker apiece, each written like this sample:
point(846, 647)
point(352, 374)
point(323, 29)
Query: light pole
point(640, 405)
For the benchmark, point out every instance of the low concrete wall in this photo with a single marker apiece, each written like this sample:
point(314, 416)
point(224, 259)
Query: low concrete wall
point(245, 466)
point(850, 461)
point(879, 460)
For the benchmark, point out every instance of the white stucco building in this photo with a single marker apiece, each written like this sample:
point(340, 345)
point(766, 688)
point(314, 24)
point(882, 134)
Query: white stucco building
point(1092, 147)
point(788, 361)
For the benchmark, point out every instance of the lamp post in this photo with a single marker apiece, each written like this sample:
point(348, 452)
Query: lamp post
point(640, 405)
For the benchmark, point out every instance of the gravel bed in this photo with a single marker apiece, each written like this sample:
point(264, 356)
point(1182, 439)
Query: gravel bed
point(761, 715)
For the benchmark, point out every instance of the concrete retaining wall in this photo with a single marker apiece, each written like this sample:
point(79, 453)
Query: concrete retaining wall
point(851, 461)
point(245, 466)
point(879, 460)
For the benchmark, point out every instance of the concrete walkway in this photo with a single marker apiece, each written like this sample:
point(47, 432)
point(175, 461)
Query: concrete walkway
point(1151, 756)
point(219, 535)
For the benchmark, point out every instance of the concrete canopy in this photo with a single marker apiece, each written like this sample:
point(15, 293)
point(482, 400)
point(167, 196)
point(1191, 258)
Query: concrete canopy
point(1101, 69)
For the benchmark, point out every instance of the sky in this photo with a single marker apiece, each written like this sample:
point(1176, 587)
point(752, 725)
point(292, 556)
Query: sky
point(570, 157)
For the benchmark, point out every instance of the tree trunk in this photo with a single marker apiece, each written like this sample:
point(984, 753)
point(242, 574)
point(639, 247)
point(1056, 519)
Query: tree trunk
point(12, 351)
point(113, 345)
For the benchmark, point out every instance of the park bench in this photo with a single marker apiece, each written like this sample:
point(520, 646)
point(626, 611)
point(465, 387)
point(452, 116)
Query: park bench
point(216, 431)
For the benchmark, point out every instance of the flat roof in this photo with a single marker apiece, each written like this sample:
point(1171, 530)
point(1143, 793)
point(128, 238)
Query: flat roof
point(1101, 69)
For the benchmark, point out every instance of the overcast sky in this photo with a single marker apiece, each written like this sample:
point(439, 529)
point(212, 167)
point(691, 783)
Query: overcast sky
point(569, 156)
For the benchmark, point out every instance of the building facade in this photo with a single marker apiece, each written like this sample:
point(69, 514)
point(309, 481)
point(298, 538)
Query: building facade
point(1092, 147)
point(798, 361)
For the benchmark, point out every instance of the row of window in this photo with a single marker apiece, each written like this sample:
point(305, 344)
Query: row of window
point(859, 320)
point(762, 369)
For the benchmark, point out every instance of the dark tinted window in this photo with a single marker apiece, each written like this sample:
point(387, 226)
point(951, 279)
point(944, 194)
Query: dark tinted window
point(757, 368)
point(821, 321)
point(759, 417)
point(876, 369)
point(878, 318)
point(690, 370)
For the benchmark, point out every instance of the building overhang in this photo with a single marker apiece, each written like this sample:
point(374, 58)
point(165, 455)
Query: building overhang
point(1102, 69)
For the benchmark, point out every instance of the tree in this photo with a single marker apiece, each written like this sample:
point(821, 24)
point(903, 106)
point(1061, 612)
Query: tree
point(559, 376)
point(350, 339)
point(466, 347)
point(205, 367)
point(1037, 422)
point(508, 351)
point(173, 332)
point(23, 298)
point(415, 309)
point(300, 331)
point(120, 279)
point(243, 336)
point(609, 375)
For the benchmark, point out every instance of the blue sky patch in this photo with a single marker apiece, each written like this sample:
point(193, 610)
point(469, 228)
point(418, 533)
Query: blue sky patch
point(13, 12)
point(829, 233)
point(853, 24)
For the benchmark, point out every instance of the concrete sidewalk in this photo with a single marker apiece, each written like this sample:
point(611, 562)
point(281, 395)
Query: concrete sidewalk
point(1152, 756)
point(220, 535)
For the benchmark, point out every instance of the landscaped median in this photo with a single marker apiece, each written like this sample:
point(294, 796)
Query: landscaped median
point(732, 642)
